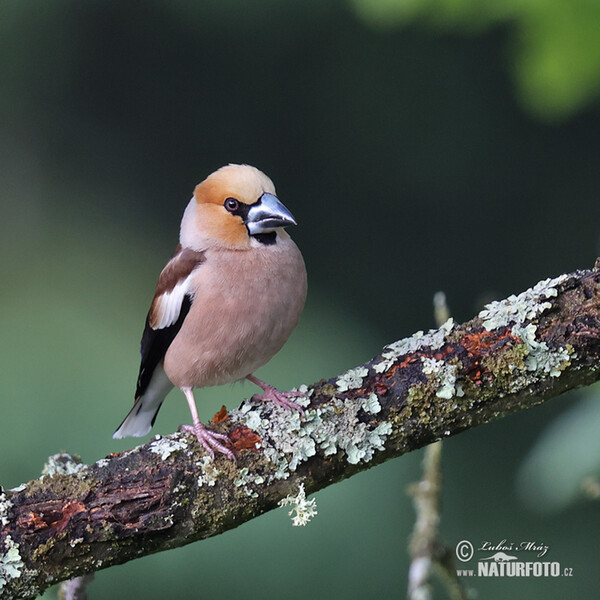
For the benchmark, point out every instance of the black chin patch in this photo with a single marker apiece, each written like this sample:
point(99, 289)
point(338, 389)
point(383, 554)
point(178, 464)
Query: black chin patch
point(268, 239)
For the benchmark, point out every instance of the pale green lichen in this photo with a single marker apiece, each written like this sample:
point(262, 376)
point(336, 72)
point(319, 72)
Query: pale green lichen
point(11, 565)
point(352, 379)
point(296, 441)
point(364, 447)
point(304, 509)
point(526, 306)
point(245, 479)
point(519, 311)
point(165, 446)
point(371, 404)
point(432, 340)
point(307, 392)
point(5, 506)
point(540, 357)
point(444, 377)
point(289, 438)
point(209, 472)
point(337, 427)
point(63, 463)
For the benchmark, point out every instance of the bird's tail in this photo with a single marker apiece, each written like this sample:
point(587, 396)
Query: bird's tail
point(141, 417)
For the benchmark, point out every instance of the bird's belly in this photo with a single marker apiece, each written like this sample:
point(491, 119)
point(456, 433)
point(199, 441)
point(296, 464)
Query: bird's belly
point(233, 330)
point(218, 354)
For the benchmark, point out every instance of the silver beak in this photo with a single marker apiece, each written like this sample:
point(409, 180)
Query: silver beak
point(267, 215)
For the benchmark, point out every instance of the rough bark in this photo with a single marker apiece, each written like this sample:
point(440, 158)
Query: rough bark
point(514, 355)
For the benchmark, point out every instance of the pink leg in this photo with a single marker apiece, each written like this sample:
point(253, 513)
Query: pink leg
point(274, 395)
point(207, 438)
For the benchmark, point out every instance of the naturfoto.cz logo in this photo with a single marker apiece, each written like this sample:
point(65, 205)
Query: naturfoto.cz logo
point(504, 562)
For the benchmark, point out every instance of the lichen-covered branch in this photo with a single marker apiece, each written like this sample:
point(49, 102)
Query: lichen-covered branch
point(514, 355)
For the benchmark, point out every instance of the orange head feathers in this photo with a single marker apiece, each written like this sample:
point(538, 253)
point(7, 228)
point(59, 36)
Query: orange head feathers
point(229, 207)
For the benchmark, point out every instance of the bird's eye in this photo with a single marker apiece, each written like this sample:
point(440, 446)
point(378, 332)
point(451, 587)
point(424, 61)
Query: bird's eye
point(231, 205)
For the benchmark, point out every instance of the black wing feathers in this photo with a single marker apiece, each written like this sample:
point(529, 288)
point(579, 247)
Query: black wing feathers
point(155, 343)
point(156, 339)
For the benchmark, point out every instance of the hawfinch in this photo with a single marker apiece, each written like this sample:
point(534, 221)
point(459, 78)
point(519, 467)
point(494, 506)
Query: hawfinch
point(224, 304)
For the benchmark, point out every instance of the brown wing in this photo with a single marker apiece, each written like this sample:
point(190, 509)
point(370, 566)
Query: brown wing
point(172, 302)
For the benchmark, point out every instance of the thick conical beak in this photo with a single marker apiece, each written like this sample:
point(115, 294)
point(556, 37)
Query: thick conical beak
point(267, 215)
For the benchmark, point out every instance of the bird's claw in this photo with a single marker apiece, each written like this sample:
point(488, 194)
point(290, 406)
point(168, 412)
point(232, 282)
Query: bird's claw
point(282, 399)
point(209, 440)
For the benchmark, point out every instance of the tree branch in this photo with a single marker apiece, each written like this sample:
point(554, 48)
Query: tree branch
point(428, 553)
point(514, 355)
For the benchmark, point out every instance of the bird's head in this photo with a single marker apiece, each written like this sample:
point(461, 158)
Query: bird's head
point(234, 207)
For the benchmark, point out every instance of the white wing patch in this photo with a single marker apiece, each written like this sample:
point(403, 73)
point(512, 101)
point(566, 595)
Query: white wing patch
point(167, 306)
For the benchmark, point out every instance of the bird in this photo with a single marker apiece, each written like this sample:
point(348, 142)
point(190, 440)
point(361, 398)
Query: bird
point(225, 303)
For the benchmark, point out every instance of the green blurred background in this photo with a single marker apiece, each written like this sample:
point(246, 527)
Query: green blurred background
point(421, 145)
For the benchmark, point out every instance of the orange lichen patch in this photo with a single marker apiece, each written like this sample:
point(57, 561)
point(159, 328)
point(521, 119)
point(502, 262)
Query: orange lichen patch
point(380, 388)
point(443, 352)
point(410, 359)
point(52, 515)
point(70, 509)
point(221, 415)
point(244, 439)
point(32, 521)
point(475, 375)
point(480, 343)
point(468, 352)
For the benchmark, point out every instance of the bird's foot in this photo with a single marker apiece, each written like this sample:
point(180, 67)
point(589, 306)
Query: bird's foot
point(279, 398)
point(209, 439)
point(272, 394)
